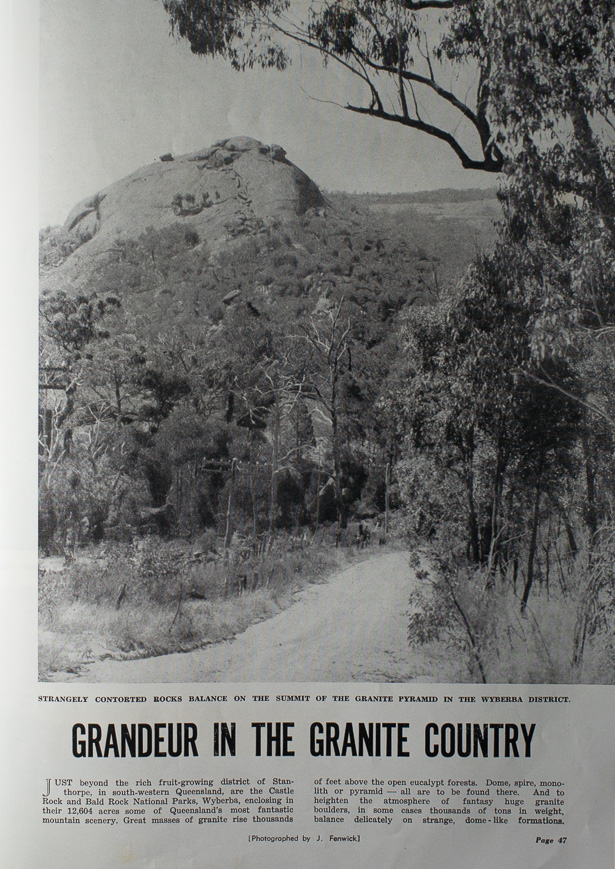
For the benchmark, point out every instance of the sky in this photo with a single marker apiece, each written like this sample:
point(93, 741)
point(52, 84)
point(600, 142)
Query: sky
point(117, 91)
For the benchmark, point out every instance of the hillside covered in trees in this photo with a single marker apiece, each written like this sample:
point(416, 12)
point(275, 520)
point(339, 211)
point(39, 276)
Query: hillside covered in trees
point(225, 384)
point(177, 365)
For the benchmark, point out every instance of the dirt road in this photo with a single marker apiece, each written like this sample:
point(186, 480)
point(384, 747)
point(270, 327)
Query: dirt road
point(349, 629)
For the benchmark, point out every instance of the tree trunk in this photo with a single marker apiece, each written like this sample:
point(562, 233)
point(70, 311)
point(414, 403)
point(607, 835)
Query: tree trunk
point(473, 535)
point(602, 197)
point(318, 483)
point(337, 470)
point(531, 555)
point(387, 485)
point(496, 512)
point(228, 534)
point(474, 552)
point(273, 487)
point(563, 513)
point(195, 500)
point(591, 518)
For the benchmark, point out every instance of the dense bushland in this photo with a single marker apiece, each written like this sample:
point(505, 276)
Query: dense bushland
point(325, 375)
point(252, 407)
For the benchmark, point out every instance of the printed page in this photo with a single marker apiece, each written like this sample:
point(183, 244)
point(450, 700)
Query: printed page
point(308, 371)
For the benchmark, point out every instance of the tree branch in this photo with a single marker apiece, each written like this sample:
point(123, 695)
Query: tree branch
point(429, 82)
point(547, 381)
point(489, 163)
point(433, 4)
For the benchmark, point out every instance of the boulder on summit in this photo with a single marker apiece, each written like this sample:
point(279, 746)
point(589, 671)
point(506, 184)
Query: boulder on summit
point(236, 179)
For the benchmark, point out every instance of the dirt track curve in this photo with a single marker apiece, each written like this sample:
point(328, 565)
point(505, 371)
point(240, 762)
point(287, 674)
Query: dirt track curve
point(351, 628)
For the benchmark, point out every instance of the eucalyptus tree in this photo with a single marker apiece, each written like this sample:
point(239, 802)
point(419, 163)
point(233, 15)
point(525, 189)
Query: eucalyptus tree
point(489, 78)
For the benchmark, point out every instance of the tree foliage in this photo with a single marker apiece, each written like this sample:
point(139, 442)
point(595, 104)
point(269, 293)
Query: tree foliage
point(220, 387)
point(522, 72)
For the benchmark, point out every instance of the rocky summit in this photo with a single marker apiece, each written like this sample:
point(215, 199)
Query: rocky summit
point(238, 215)
point(221, 192)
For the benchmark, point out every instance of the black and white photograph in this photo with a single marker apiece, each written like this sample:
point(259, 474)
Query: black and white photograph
point(327, 342)
point(307, 434)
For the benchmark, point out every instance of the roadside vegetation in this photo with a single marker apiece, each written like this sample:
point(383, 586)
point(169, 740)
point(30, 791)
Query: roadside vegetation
point(154, 597)
point(470, 631)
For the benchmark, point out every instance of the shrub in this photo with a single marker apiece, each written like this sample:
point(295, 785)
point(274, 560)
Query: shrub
point(565, 634)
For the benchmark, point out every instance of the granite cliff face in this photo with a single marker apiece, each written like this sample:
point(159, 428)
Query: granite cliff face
point(180, 236)
point(232, 189)
point(216, 191)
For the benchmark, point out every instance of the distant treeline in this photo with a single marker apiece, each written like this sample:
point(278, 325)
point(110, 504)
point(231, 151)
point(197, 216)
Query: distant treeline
point(444, 194)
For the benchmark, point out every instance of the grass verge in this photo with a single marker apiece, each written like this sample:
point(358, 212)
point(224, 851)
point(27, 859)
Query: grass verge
point(155, 598)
